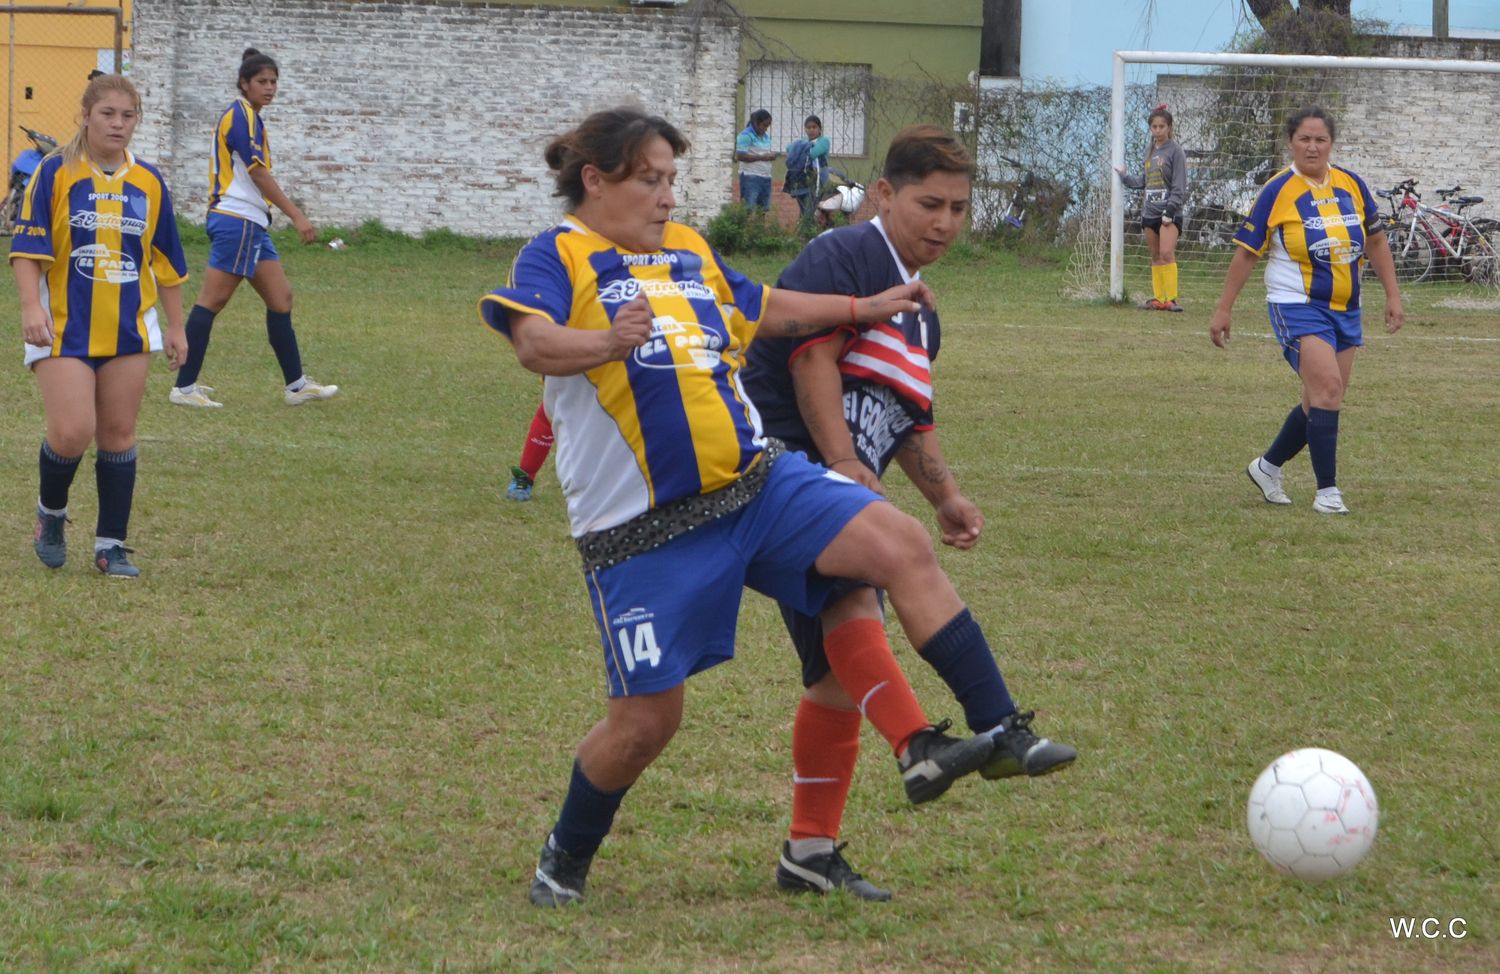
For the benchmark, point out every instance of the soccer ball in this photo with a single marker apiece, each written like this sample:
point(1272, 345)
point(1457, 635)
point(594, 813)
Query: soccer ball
point(1312, 814)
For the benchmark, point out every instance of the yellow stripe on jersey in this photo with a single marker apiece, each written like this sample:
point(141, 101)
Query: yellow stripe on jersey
point(669, 421)
point(1315, 234)
point(109, 241)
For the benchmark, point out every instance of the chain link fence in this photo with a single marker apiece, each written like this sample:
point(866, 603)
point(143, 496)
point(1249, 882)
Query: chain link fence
point(48, 54)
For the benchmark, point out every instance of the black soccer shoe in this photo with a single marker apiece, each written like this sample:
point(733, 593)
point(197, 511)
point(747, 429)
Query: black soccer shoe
point(933, 761)
point(823, 874)
point(50, 544)
point(559, 877)
point(1018, 751)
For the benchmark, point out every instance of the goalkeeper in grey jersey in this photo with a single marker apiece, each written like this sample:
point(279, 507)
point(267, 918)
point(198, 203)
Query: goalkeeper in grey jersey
point(1165, 183)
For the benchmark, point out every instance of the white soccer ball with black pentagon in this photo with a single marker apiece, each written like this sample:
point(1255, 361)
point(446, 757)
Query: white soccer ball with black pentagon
point(1313, 814)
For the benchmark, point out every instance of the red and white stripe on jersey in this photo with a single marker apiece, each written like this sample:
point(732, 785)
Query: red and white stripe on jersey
point(880, 354)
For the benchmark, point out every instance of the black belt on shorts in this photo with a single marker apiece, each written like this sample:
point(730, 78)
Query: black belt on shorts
point(654, 528)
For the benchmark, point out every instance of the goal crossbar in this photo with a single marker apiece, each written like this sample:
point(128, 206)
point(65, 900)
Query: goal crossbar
point(1117, 111)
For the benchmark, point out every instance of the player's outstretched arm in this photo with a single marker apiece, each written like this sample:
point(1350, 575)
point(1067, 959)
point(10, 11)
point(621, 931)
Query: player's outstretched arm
point(550, 349)
point(820, 399)
point(271, 190)
point(921, 456)
point(796, 314)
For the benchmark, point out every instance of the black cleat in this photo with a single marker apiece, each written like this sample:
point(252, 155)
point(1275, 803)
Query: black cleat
point(51, 547)
point(1018, 751)
point(114, 561)
point(559, 877)
point(825, 873)
point(933, 761)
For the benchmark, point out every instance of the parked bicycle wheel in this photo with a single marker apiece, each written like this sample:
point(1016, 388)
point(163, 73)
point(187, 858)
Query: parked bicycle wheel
point(1412, 253)
point(1481, 261)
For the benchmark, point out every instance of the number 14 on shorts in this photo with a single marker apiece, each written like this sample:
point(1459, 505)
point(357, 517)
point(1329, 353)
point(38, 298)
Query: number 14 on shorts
point(637, 640)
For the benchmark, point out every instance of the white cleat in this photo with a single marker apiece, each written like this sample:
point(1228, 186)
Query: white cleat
point(194, 395)
point(1330, 501)
point(1268, 482)
point(311, 391)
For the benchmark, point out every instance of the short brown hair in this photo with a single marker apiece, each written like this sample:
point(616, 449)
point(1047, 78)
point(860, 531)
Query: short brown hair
point(918, 151)
point(611, 141)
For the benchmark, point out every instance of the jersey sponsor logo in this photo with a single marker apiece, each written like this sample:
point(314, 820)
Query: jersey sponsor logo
point(109, 197)
point(98, 263)
point(89, 220)
point(647, 260)
point(877, 422)
point(1333, 250)
point(636, 637)
point(628, 289)
point(700, 347)
point(1337, 220)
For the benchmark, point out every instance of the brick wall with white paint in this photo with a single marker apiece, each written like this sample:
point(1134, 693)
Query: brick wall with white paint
point(1439, 127)
point(429, 114)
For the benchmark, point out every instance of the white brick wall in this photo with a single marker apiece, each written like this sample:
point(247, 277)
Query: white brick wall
point(431, 114)
point(1439, 127)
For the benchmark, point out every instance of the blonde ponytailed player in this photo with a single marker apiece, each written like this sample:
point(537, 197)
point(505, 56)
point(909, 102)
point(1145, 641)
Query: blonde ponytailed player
point(95, 246)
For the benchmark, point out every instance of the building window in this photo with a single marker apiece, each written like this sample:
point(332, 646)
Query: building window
point(1000, 39)
point(792, 90)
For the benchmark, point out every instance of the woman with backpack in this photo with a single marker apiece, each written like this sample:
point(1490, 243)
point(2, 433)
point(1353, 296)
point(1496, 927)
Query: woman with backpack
point(807, 167)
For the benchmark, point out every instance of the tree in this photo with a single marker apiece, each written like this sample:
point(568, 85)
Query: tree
point(1267, 11)
point(1311, 27)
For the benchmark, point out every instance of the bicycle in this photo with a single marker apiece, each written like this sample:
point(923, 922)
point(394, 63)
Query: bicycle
point(1469, 242)
point(1412, 252)
point(1422, 234)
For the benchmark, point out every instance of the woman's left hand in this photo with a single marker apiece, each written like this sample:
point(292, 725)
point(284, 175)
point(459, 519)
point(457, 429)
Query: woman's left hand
point(960, 521)
point(1395, 315)
point(894, 301)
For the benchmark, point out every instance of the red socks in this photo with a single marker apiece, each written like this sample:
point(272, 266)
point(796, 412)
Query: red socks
point(538, 444)
point(862, 662)
point(825, 744)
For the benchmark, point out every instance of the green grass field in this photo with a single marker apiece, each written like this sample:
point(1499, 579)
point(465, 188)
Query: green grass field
point(330, 726)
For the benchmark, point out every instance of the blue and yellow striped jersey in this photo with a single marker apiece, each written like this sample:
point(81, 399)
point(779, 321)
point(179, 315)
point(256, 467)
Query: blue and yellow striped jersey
point(1315, 234)
point(107, 242)
point(672, 420)
point(240, 143)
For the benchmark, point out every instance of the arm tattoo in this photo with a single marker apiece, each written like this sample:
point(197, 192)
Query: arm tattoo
point(792, 328)
point(804, 401)
point(930, 468)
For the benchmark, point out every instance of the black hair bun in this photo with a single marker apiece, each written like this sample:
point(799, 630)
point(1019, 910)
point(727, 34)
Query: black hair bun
point(250, 52)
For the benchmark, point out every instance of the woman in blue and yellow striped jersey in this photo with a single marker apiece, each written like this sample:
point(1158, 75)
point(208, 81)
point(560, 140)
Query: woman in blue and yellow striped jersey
point(1319, 223)
point(95, 247)
point(676, 497)
point(241, 193)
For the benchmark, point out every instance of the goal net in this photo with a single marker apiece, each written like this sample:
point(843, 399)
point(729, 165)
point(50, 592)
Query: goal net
point(1398, 119)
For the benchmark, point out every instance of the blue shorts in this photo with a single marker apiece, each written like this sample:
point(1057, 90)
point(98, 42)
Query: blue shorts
point(237, 246)
point(670, 612)
point(1294, 322)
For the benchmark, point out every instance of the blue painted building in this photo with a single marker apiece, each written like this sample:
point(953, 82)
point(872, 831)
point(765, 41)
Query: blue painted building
point(1070, 41)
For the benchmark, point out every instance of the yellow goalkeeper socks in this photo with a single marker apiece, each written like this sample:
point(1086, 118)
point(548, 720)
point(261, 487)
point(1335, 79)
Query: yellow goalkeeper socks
point(1169, 281)
point(1158, 282)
